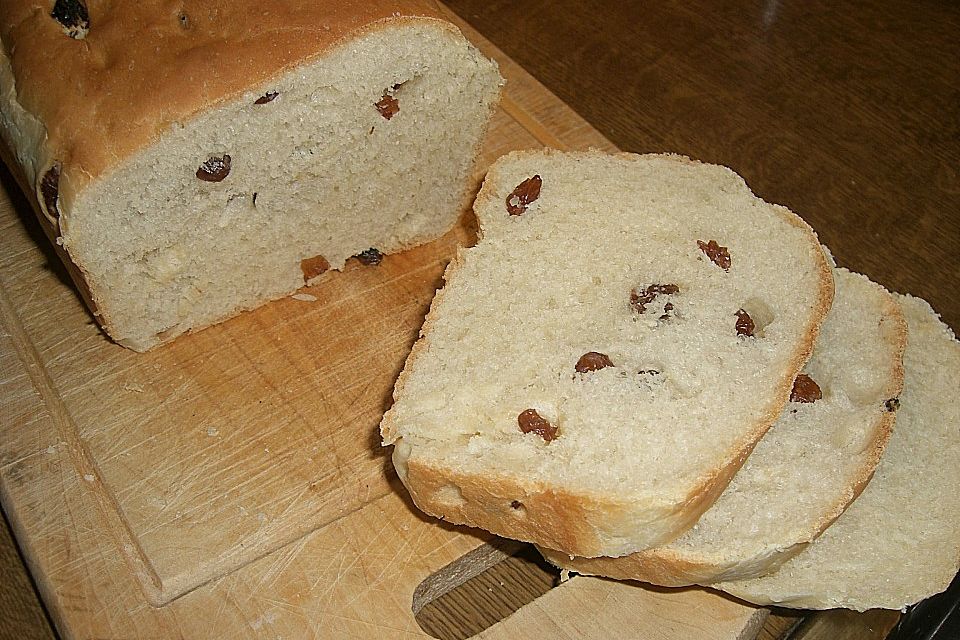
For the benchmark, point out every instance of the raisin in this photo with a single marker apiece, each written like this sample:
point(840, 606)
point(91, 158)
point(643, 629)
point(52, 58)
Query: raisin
point(73, 17)
point(215, 169)
point(516, 504)
point(593, 361)
point(525, 193)
point(667, 311)
point(50, 190)
point(370, 257)
point(805, 389)
point(312, 267)
point(269, 96)
point(531, 421)
point(640, 299)
point(892, 404)
point(387, 105)
point(745, 326)
point(717, 254)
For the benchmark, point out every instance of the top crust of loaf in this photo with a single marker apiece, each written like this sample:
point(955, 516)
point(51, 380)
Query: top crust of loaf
point(146, 65)
point(898, 542)
point(582, 522)
point(749, 531)
point(143, 72)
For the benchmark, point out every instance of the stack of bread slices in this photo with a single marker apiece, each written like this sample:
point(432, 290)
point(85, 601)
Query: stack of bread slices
point(652, 374)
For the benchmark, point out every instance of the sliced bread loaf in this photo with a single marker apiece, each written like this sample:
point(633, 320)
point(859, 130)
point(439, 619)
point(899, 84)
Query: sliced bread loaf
point(601, 363)
point(195, 160)
point(807, 469)
point(900, 541)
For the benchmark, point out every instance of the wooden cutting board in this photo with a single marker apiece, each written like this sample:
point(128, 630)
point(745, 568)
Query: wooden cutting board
point(231, 484)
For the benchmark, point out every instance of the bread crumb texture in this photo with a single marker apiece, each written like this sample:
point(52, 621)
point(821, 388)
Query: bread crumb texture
point(807, 469)
point(205, 207)
point(606, 260)
point(898, 543)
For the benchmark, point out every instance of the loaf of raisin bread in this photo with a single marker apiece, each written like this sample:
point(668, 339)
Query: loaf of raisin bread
point(598, 367)
point(900, 541)
point(194, 159)
point(807, 469)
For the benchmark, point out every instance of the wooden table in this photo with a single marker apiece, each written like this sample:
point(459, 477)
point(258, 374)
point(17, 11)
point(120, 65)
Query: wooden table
point(850, 115)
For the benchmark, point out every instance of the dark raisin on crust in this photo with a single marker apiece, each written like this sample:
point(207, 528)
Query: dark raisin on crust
point(50, 190)
point(593, 361)
point(525, 193)
point(73, 17)
point(745, 326)
point(531, 421)
point(312, 267)
point(215, 169)
point(805, 389)
point(515, 504)
point(269, 96)
point(370, 257)
point(892, 404)
point(720, 256)
point(640, 298)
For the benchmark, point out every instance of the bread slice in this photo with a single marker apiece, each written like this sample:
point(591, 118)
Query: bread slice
point(900, 541)
point(807, 469)
point(505, 415)
point(221, 158)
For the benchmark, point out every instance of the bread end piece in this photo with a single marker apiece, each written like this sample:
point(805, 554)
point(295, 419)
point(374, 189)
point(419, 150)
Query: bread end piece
point(185, 207)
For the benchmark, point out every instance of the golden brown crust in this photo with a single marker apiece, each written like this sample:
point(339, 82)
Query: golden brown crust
point(89, 104)
point(548, 523)
point(587, 524)
point(146, 65)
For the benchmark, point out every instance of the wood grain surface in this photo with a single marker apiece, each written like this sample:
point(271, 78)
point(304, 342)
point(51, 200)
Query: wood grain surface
point(231, 483)
point(848, 114)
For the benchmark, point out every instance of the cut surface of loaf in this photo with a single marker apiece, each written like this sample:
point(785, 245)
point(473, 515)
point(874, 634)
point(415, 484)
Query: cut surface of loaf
point(807, 469)
point(585, 379)
point(252, 148)
point(899, 542)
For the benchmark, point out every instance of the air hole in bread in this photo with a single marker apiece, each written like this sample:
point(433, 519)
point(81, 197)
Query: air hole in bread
point(50, 191)
point(761, 314)
point(450, 495)
point(73, 17)
point(650, 377)
point(183, 19)
point(518, 508)
point(863, 391)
